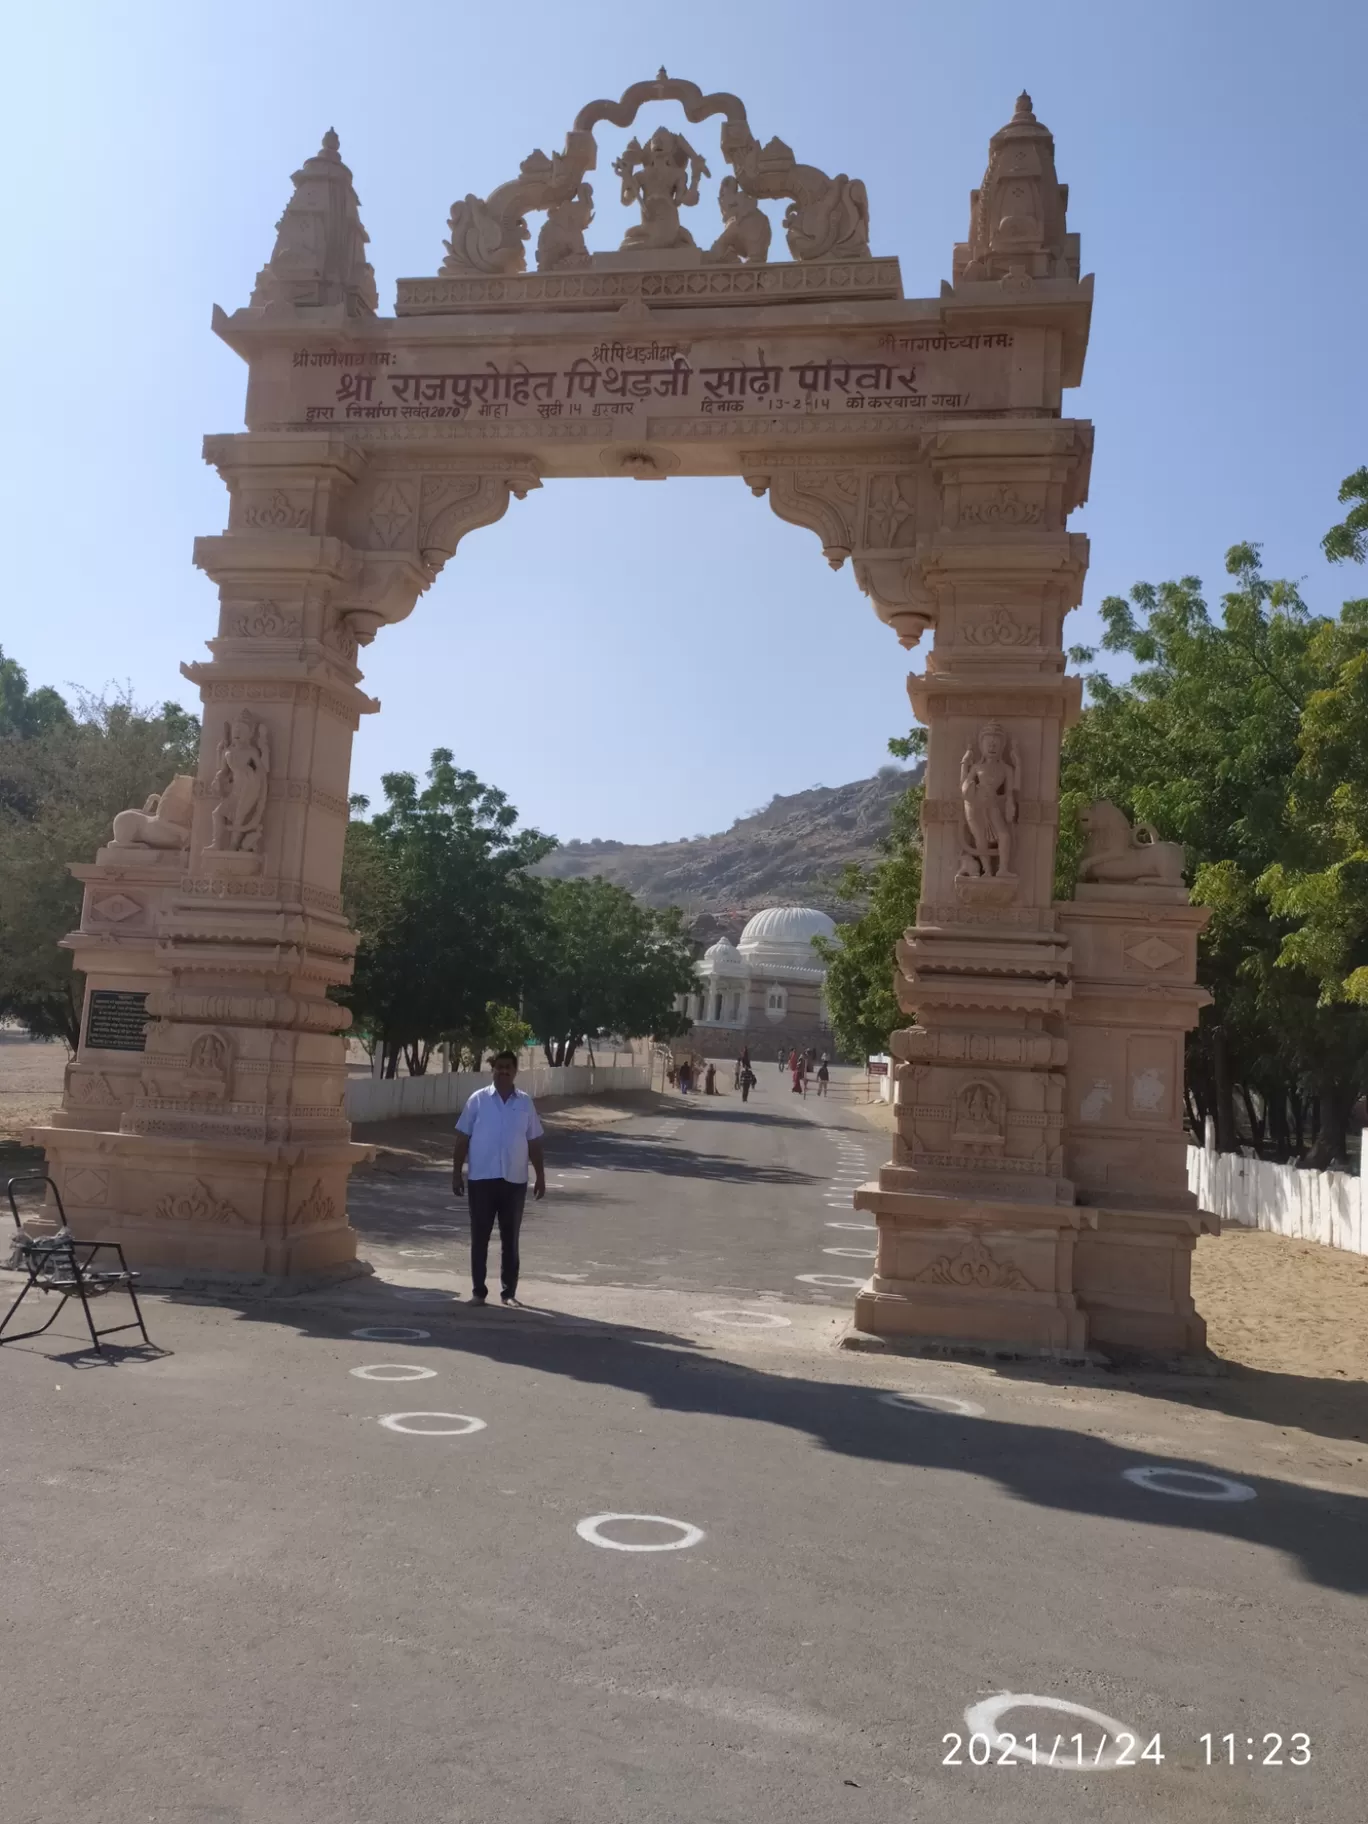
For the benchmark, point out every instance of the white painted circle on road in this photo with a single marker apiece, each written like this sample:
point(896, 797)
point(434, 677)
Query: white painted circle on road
point(394, 1371)
point(983, 1719)
point(825, 1279)
point(589, 1530)
point(852, 1253)
point(396, 1421)
point(870, 1226)
point(740, 1319)
point(933, 1402)
point(391, 1333)
point(440, 1228)
point(1158, 1477)
point(421, 1253)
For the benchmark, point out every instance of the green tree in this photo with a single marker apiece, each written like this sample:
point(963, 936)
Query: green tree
point(436, 885)
point(26, 712)
point(862, 960)
point(1204, 741)
point(605, 963)
point(64, 776)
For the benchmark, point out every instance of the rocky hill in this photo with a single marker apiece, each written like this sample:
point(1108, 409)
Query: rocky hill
point(791, 852)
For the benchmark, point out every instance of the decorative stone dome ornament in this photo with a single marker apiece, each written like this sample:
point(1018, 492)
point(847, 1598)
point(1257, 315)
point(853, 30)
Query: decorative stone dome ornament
point(827, 217)
point(1017, 229)
point(320, 249)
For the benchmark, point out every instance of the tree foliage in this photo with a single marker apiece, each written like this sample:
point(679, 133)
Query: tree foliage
point(64, 776)
point(861, 961)
point(436, 885)
point(605, 963)
point(1235, 736)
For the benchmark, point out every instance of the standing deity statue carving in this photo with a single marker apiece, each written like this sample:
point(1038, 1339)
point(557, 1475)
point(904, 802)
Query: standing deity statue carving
point(560, 245)
point(239, 785)
point(747, 232)
point(990, 785)
point(662, 176)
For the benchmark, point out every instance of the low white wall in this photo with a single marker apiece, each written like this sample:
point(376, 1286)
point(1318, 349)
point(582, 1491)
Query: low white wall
point(386, 1099)
point(1254, 1194)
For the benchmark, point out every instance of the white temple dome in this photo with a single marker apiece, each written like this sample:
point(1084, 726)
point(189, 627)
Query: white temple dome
point(782, 936)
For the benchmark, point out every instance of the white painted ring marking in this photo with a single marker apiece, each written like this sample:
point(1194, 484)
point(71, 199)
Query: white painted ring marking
point(589, 1530)
point(394, 1371)
point(933, 1402)
point(440, 1228)
point(852, 1253)
point(394, 1421)
point(1154, 1476)
point(825, 1279)
point(391, 1333)
point(983, 1718)
point(740, 1319)
point(421, 1253)
point(870, 1226)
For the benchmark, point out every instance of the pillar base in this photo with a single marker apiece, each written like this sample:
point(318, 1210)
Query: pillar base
point(1133, 1278)
point(957, 1272)
point(204, 1206)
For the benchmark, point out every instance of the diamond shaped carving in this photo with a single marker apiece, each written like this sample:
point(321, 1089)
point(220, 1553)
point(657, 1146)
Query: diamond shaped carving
point(116, 907)
point(1153, 952)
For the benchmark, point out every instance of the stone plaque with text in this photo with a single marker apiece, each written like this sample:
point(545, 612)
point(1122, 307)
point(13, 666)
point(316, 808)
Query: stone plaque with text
point(116, 1020)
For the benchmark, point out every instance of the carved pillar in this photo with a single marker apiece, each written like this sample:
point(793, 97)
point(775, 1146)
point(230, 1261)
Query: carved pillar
point(1135, 995)
point(977, 1218)
point(224, 1146)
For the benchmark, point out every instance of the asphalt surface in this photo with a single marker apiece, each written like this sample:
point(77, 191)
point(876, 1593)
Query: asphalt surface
point(232, 1595)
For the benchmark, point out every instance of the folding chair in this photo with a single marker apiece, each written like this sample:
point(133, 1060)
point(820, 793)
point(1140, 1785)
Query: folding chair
point(60, 1263)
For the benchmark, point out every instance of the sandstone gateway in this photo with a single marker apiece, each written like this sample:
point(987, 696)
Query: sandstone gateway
point(1036, 1194)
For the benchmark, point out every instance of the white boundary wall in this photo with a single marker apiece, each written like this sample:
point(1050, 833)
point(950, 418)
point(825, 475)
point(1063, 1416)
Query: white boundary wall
point(445, 1093)
point(1254, 1194)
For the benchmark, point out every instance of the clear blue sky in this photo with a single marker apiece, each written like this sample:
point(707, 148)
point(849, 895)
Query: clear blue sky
point(649, 661)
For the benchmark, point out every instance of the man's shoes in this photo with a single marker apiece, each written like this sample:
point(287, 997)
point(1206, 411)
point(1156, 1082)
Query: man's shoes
point(478, 1298)
point(508, 1298)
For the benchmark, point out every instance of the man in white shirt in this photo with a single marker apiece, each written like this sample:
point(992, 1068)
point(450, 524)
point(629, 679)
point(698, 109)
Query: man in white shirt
point(498, 1133)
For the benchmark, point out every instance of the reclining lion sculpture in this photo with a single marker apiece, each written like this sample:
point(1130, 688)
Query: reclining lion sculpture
point(163, 822)
point(1114, 853)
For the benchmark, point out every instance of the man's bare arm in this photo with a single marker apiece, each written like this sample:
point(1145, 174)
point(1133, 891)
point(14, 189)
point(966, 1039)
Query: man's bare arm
point(536, 1152)
point(458, 1159)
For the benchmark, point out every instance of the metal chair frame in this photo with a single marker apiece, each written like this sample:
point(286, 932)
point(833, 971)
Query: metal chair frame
point(60, 1263)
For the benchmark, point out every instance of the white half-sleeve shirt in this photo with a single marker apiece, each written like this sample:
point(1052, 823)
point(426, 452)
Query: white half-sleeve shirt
point(498, 1132)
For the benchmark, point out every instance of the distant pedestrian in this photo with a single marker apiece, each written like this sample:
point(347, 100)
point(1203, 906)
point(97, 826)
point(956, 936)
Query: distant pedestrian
point(498, 1134)
point(823, 1076)
point(748, 1081)
point(685, 1077)
point(710, 1080)
point(781, 1057)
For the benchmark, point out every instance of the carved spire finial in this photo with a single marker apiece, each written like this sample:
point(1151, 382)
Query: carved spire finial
point(1017, 227)
point(662, 75)
point(320, 249)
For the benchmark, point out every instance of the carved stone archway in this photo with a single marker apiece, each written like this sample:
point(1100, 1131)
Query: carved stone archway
point(921, 440)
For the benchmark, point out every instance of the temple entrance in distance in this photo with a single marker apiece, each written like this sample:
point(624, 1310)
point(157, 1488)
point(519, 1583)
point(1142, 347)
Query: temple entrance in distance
point(1037, 1192)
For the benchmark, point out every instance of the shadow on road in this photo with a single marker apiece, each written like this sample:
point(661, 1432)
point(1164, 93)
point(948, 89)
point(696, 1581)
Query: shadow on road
point(1071, 1473)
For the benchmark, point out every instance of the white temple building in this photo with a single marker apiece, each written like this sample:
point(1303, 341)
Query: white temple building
point(765, 991)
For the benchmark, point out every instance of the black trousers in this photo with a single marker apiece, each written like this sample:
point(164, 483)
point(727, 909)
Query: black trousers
point(495, 1200)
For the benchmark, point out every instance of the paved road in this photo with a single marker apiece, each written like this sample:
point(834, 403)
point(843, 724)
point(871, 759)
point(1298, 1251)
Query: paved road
point(712, 1196)
point(232, 1595)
